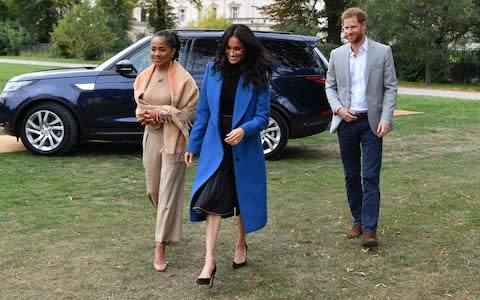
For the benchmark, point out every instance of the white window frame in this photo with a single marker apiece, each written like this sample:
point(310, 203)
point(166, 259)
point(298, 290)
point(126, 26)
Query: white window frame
point(234, 12)
point(182, 14)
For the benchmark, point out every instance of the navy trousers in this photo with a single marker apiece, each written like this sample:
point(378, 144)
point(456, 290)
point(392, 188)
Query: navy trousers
point(361, 152)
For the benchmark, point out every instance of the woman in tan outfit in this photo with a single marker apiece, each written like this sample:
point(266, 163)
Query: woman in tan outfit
point(166, 96)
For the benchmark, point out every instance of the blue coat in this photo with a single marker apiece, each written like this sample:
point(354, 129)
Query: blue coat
point(251, 112)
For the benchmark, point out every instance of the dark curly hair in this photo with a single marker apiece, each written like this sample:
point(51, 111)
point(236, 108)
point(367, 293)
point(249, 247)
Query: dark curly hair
point(257, 65)
point(172, 39)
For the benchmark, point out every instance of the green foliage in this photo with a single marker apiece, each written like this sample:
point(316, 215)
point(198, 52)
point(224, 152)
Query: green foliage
point(38, 16)
point(293, 15)
point(326, 48)
point(3, 11)
point(13, 37)
point(306, 17)
point(209, 20)
point(160, 14)
point(120, 17)
point(466, 66)
point(83, 33)
point(420, 31)
point(297, 28)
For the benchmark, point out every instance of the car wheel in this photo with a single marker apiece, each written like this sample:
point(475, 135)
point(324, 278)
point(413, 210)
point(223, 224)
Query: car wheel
point(48, 129)
point(275, 136)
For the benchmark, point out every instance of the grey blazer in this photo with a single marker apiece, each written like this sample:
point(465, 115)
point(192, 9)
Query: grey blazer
point(381, 81)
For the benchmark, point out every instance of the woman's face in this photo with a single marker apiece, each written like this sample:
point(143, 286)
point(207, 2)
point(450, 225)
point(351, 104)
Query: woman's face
point(160, 52)
point(235, 51)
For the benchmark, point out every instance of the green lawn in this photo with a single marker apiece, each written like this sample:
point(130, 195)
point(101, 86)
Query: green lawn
point(54, 59)
point(80, 227)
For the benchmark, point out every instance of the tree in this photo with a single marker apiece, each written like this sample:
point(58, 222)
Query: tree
point(3, 11)
point(210, 21)
point(120, 17)
point(13, 37)
point(82, 33)
point(476, 22)
point(306, 17)
point(420, 32)
point(294, 14)
point(38, 16)
point(160, 14)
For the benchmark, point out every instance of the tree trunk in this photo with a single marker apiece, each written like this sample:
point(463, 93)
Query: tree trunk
point(428, 69)
point(334, 9)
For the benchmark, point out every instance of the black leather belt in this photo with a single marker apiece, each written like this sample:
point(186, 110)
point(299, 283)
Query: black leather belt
point(361, 115)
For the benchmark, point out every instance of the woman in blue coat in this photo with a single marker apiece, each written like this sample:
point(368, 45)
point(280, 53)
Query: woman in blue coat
point(233, 109)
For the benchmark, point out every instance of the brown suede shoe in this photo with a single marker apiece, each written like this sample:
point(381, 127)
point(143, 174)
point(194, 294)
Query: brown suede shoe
point(369, 240)
point(355, 232)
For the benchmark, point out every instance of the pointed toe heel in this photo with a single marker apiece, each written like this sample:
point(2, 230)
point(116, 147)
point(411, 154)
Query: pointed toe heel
point(242, 264)
point(208, 280)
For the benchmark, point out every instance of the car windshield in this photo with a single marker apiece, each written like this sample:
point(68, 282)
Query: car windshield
point(114, 59)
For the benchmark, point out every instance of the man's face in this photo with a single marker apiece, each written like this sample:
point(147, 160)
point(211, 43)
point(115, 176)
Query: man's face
point(354, 30)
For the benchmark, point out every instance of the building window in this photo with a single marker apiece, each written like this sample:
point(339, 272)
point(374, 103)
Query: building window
point(143, 15)
point(181, 15)
point(234, 12)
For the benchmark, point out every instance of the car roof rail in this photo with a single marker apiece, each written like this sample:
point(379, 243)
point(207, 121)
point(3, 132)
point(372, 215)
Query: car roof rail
point(220, 30)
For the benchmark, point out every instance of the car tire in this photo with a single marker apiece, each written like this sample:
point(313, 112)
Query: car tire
point(48, 129)
point(275, 136)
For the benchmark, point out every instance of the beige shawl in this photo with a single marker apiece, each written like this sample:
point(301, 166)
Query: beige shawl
point(178, 116)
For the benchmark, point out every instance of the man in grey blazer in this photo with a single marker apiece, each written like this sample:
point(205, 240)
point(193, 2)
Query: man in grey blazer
point(361, 88)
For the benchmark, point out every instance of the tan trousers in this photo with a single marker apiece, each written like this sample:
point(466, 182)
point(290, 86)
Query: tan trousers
point(165, 187)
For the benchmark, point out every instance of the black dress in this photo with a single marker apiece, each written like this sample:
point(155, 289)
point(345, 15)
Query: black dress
point(218, 195)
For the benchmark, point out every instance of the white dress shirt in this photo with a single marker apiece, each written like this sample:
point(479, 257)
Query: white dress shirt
point(358, 63)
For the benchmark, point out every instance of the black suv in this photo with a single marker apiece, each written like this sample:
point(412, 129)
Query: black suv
point(52, 111)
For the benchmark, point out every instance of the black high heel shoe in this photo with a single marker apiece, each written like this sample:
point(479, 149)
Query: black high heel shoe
point(208, 280)
point(242, 264)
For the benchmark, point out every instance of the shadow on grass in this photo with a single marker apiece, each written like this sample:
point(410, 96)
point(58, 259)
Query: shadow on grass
point(106, 148)
point(293, 152)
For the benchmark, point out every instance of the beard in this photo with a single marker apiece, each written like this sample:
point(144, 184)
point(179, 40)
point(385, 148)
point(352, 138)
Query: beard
point(355, 38)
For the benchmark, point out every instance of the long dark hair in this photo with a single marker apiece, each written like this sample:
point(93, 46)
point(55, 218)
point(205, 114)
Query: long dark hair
point(172, 39)
point(257, 65)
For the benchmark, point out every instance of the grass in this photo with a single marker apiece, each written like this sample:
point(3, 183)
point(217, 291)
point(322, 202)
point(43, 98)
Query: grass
point(54, 59)
point(7, 71)
point(80, 227)
point(447, 86)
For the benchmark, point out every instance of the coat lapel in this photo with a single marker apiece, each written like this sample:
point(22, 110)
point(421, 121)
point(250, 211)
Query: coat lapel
point(242, 100)
point(370, 59)
point(214, 90)
point(346, 64)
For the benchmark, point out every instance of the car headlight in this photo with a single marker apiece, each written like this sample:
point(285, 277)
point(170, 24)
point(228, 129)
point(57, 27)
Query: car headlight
point(13, 86)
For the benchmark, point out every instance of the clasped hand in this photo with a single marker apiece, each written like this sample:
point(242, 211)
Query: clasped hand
point(151, 116)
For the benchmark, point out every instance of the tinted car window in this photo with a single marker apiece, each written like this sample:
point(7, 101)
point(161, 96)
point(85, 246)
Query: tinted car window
point(291, 54)
point(204, 51)
point(141, 59)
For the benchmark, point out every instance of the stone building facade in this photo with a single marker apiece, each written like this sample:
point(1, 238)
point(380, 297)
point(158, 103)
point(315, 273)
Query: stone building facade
point(237, 11)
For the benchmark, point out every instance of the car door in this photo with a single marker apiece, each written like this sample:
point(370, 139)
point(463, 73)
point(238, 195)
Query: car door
point(114, 101)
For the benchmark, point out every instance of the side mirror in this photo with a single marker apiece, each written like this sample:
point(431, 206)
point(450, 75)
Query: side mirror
point(125, 67)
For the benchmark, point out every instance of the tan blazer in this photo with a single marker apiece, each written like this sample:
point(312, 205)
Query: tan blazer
point(381, 82)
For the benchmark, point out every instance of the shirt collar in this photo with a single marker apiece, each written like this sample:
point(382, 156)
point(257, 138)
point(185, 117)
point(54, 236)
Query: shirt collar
point(363, 48)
